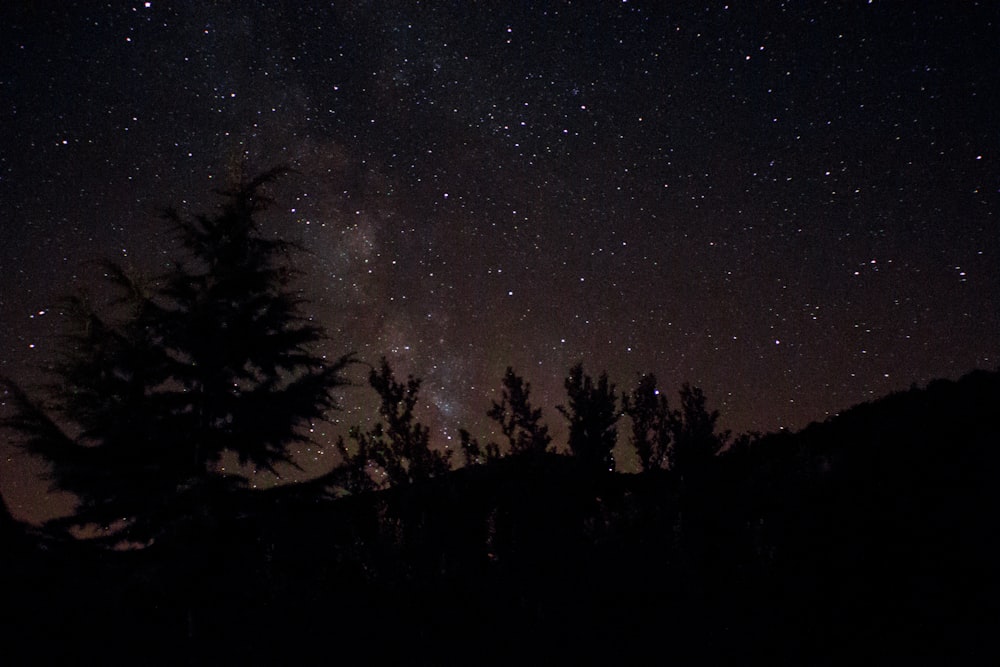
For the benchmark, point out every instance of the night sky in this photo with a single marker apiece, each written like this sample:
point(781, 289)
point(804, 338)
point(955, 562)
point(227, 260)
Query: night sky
point(791, 205)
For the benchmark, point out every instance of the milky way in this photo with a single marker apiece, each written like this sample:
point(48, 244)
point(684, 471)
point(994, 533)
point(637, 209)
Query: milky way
point(792, 206)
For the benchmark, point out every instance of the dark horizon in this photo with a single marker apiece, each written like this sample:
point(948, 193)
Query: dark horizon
point(872, 535)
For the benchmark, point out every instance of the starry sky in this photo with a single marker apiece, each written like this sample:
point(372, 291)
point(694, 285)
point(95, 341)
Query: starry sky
point(791, 205)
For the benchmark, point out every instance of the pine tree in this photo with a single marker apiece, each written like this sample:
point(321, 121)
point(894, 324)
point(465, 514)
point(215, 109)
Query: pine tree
point(153, 388)
point(245, 353)
point(592, 414)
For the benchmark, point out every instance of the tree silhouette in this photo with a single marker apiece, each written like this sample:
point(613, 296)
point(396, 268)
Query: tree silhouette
point(153, 388)
point(650, 415)
point(695, 442)
point(356, 472)
point(475, 454)
point(519, 422)
point(401, 445)
point(244, 350)
point(592, 414)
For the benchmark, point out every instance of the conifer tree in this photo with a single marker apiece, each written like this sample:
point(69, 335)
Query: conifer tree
point(154, 387)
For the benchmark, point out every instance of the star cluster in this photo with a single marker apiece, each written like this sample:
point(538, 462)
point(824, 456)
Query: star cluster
point(792, 206)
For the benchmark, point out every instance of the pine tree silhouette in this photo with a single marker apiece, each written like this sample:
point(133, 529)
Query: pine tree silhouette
point(150, 391)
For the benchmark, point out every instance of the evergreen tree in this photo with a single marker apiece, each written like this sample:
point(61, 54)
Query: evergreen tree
point(650, 415)
point(592, 414)
point(519, 422)
point(152, 389)
point(244, 352)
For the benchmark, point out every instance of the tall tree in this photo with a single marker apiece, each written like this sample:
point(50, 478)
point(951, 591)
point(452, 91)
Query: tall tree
point(155, 386)
point(245, 354)
point(695, 441)
point(650, 415)
point(592, 413)
point(520, 423)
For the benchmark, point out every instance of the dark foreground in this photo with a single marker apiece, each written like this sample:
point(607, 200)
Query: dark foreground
point(870, 538)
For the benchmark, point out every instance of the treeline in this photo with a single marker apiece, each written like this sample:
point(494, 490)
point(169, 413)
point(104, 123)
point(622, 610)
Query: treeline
point(397, 449)
point(167, 374)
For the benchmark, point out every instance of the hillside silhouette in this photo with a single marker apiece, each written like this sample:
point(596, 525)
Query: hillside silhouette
point(870, 536)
